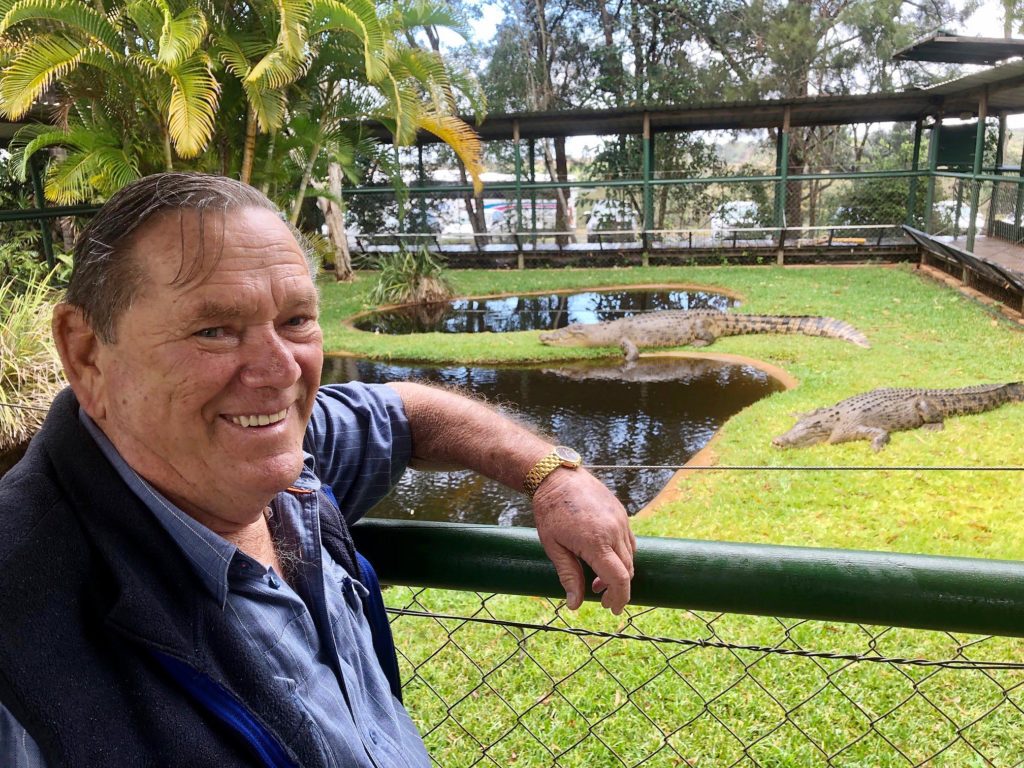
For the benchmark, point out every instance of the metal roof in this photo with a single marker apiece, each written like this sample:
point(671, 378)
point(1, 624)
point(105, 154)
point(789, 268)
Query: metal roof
point(961, 49)
point(953, 98)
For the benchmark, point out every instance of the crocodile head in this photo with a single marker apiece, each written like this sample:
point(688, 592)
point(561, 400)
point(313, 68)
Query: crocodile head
point(577, 335)
point(809, 430)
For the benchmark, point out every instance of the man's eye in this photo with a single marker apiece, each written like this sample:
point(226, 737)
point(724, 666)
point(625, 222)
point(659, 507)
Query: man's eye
point(297, 322)
point(210, 333)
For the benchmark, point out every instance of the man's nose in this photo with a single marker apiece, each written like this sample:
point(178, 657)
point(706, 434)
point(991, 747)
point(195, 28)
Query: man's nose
point(269, 360)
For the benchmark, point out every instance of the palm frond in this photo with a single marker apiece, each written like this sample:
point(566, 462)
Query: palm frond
point(359, 18)
point(269, 104)
point(193, 105)
point(429, 70)
point(68, 179)
point(275, 70)
point(402, 109)
point(149, 19)
point(69, 13)
point(293, 17)
point(230, 52)
point(461, 138)
point(181, 37)
point(466, 83)
point(43, 59)
point(424, 13)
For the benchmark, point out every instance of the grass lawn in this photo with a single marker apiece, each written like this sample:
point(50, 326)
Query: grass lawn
point(591, 702)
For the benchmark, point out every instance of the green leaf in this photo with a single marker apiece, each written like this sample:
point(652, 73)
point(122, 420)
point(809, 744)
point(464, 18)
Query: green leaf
point(360, 19)
point(181, 37)
point(193, 105)
point(42, 60)
point(70, 13)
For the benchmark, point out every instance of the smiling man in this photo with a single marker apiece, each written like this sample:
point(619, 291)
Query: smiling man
point(180, 582)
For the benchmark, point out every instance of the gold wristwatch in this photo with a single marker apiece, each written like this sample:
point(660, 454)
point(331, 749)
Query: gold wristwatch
point(560, 456)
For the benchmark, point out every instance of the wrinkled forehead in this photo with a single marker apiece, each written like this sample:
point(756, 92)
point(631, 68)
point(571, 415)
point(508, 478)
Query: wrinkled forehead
point(182, 247)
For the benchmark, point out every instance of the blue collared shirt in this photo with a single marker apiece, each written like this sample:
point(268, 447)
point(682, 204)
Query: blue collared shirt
point(310, 628)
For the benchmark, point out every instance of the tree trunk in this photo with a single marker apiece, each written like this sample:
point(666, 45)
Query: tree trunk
point(334, 215)
point(249, 149)
point(474, 209)
point(300, 193)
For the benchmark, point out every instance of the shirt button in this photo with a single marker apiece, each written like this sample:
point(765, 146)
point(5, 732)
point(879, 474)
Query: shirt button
point(273, 582)
point(373, 736)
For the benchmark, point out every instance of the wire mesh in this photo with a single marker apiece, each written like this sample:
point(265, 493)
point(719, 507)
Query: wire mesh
point(500, 680)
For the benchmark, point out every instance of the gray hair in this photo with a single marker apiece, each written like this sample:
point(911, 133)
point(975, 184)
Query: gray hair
point(106, 277)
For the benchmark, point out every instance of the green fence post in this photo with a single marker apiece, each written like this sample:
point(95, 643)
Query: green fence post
point(532, 155)
point(44, 225)
point(990, 222)
point(933, 162)
point(648, 158)
point(782, 172)
point(979, 149)
point(520, 261)
point(914, 164)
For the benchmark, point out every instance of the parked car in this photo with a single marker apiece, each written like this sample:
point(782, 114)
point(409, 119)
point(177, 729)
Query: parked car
point(612, 215)
point(735, 214)
point(944, 215)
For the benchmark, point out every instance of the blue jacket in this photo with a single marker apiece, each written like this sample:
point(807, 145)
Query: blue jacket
point(108, 654)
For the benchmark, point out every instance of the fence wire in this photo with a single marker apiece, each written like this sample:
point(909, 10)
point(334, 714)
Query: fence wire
point(500, 680)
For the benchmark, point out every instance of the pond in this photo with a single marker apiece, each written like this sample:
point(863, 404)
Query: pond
point(662, 411)
point(536, 313)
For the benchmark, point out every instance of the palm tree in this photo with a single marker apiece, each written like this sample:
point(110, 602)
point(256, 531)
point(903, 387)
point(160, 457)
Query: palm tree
point(146, 87)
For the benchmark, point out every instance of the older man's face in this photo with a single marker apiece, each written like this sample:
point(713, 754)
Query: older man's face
point(209, 386)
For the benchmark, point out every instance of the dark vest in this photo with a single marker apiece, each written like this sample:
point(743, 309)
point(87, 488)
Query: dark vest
point(106, 633)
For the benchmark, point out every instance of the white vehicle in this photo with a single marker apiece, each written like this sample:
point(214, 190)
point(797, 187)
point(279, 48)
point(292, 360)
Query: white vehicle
point(735, 214)
point(612, 215)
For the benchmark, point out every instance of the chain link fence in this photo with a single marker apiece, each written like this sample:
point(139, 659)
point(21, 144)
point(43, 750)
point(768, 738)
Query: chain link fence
point(500, 680)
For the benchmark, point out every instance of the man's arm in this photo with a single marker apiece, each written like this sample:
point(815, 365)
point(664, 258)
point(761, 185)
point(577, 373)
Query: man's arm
point(577, 516)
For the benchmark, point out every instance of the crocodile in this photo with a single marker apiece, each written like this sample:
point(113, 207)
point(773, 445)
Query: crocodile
point(873, 415)
point(696, 327)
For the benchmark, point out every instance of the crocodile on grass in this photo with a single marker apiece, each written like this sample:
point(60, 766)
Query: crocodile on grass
point(873, 415)
point(696, 327)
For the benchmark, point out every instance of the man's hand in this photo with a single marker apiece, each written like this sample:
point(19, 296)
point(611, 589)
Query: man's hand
point(579, 518)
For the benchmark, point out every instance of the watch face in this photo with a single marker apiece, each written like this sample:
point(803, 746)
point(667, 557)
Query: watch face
point(568, 455)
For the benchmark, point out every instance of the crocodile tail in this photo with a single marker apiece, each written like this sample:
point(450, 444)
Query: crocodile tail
point(978, 399)
point(806, 325)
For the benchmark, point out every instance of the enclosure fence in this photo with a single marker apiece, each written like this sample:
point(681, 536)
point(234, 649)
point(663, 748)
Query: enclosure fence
point(890, 660)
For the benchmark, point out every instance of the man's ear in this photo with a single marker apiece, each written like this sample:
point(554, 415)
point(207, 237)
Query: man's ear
point(78, 347)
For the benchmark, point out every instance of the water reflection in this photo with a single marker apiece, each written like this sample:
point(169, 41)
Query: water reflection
point(533, 313)
point(661, 411)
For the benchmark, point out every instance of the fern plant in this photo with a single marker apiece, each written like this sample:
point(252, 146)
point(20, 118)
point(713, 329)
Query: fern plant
point(410, 277)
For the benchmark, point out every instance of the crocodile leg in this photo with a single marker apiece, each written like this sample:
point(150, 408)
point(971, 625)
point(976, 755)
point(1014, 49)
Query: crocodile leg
point(629, 349)
point(930, 414)
point(878, 436)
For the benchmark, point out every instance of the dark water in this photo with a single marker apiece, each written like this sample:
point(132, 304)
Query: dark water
point(662, 411)
point(535, 313)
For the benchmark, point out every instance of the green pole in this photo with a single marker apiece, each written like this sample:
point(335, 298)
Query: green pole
point(914, 164)
point(953, 594)
point(979, 149)
point(44, 225)
point(933, 164)
point(532, 155)
point(519, 176)
point(648, 157)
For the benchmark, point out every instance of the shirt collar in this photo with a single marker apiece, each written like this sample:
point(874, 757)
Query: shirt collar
point(209, 554)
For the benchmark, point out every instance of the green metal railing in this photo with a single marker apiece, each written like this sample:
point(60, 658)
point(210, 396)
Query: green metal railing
point(494, 679)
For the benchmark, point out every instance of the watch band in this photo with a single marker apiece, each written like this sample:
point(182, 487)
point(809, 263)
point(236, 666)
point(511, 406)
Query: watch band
point(561, 456)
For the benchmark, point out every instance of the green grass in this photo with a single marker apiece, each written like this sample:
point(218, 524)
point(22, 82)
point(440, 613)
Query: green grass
point(628, 693)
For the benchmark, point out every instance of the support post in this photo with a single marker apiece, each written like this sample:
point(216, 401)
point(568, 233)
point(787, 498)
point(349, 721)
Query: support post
point(979, 149)
point(782, 171)
point(520, 262)
point(914, 165)
point(648, 157)
point(421, 176)
point(933, 163)
point(532, 155)
point(990, 221)
point(44, 224)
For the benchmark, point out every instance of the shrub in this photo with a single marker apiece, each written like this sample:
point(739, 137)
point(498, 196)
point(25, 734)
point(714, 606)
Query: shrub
point(410, 278)
point(30, 371)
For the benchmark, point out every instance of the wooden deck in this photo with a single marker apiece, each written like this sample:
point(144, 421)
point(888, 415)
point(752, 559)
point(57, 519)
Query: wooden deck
point(1003, 253)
